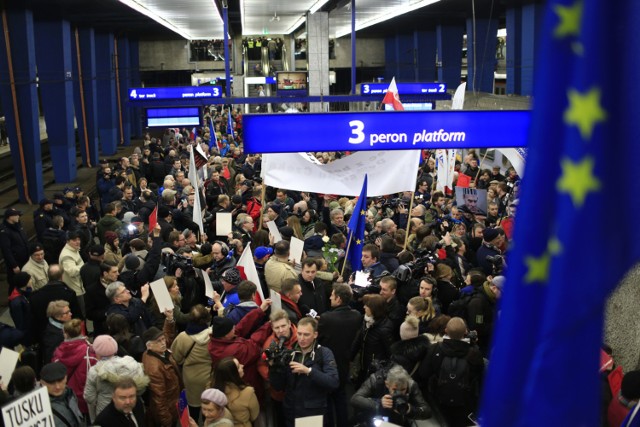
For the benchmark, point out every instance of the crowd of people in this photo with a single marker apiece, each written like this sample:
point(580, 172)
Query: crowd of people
point(410, 344)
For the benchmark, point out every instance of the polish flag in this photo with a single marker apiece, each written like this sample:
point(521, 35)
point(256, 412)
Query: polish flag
point(153, 219)
point(392, 97)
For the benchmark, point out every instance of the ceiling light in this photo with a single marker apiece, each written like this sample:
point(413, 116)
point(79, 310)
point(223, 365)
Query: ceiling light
point(316, 7)
point(160, 20)
point(387, 13)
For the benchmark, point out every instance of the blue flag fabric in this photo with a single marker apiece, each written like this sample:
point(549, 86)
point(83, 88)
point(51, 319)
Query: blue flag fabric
point(356, 229)
point(567, 256)
point(633, 418)
point(213, 139)
point(230, 125)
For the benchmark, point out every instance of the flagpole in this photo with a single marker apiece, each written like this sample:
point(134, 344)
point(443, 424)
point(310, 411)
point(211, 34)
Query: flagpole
point(479, 167)
point(262, 195)
point(346, 254)
point(406, 235)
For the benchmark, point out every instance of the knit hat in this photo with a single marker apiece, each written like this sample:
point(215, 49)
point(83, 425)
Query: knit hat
point(489, 234)
point(262, 251)
point(96, 250)
point(53, 372)
point(105, 346)
point(232, 276)
point(276, 207)
point(132, 262)
point(286, 232)
point(409, 328)
point(334, 205)
point(127, 217)
point(110, 237)
point(221, 326)
point(214, 395)
point(21, 279)
point(498, 282)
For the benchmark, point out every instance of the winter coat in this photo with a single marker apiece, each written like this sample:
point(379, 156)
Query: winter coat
point(165, 385)
point(20, 310)
point(96, 304)
point(14, 245)
point(112, 257)
point(337, 330)
point(373, 343)
point(66, 411)
point(78, 357)
point(192, 353)
point(71, 262)
point(243, 405)
point(39, 273)
point(103, 376)
point(263, 365)
point(409, 353)
point(241, 310)
point(246, 351)
point(276, 271)
point(314, 296)
point(52, 337)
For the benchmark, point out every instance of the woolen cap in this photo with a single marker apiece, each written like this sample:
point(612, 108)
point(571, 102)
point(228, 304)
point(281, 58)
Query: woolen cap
point(132, 262)
point(105, 346)
point(53, 372)
point(221, 326)
point(215, 396)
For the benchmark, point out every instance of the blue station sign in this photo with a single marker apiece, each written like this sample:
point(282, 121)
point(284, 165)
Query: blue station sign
point(404, 88)
point(184, 92)
point(380, 130)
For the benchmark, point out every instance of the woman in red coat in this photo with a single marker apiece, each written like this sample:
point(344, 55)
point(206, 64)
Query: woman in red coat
point(76, 354)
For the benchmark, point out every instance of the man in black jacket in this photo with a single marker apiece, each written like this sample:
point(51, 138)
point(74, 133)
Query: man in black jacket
point(55, 290)
point(138, 273)
point(13, 243)
point(395, 311)
point(314, 294)
point(337, 330)
point(95, 299)
point(125, 408)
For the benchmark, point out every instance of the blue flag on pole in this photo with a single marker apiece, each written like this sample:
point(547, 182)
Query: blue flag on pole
point(567, 257)
point(230, 125)
point(213, 139)
point(356, 229)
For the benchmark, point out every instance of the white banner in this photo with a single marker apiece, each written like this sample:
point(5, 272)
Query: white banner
point(30, 410)
point(517, 158)
point(389, 172)
point(193, 177)
point(445, 164)
point(457, 103)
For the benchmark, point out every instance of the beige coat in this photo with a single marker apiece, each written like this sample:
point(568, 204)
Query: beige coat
point(39, 273)
point(71, 262)
point(276, 271)
point(243, 405)
point(196, 367)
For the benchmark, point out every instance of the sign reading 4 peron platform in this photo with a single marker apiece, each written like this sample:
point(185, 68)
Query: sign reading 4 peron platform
point(406, 130)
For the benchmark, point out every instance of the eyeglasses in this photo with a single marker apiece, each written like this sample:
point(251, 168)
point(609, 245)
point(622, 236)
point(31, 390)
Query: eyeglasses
point(122, 292)
point(66, 312)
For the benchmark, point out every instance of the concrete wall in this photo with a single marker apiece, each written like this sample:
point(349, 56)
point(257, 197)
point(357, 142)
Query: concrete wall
point(622, 328)
point(171, 55)
point(369, 52)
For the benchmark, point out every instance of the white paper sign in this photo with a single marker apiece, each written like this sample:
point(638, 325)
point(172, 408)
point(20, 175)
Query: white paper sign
point(273, 229)
point(362, 279)
point(276, 301)
point(161, 294)
point(295, 249)
point(31, 410)
point(208, 287)
point(8, 361)
point(315, 421)
point(223, 223)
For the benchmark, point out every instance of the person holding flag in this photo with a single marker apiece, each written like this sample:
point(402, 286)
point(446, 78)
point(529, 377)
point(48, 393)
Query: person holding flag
point(356, 226)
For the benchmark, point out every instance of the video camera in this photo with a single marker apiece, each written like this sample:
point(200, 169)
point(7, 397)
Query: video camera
point(497, 264)
point(172, 262)
point(361, 291)
point(416, 269)
point(400, 403)
point(278, 353)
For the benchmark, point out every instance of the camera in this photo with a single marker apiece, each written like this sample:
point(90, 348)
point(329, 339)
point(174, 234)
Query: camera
point(416, 269)
point(400, 403)
point(278, 353)
point(172, 262)
point(473, 337)
point(497, 264)
point(361, 291)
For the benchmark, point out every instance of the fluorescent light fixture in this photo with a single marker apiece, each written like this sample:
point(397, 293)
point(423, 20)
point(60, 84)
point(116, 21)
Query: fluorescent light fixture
point(317, 6)
point(242, 15)
point(160, 20)
point(388, 13)
point(502, 32)
point(296, 25)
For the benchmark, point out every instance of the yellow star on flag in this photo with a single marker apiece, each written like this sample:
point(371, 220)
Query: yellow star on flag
point(554, 246)
point(584, 111)
point(538, 268)
point(577, 180)
point(363, 212)
point(358, 241)
point(570, 17)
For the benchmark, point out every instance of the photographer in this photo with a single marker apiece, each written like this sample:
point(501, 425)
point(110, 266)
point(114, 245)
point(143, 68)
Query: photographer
point(311, 376)
point(392, 395)
point(492, 241)
point(137, 272)
point(481, 311)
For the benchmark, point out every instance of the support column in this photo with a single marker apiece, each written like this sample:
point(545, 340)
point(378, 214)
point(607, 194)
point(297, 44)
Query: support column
point(318, 57)
point(449, 47)
point(19, 97)
point(425, 51)
point(480, 72)
point(106, 89)
point(514, 50)
point(236, 58)
point(532, 15)
point(53, 52)
point(135, 113)
point(123, 79)
point(85, 98)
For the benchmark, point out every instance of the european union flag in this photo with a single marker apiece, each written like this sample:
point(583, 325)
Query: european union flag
point(567, 256)
point(213, 139)
point(356, 229)
point(230, 124)
point(183, 409)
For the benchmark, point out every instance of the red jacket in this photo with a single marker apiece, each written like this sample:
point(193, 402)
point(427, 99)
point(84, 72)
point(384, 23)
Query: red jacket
point(263, 365)
point(246, 351)
point(78, 356)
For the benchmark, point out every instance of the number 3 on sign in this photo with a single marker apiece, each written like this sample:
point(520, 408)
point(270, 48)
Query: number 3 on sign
point(356, 130)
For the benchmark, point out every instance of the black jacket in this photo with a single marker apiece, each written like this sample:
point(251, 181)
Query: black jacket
point(14, 245)
point(409, 353)
point(373, 343)
point(314, 296)
point(480, 314)
point(337, 329)
point(96, 304)
point(41, 298)
point(110, 416)
point(396, 313)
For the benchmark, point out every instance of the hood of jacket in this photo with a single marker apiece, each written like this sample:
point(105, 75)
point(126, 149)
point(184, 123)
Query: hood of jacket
point(73, 352)
point(203, 336)
point(116, 368)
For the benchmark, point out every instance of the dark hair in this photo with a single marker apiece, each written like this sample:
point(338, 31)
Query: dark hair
point(246, 290)
point(105, 267)
point(344, 292)
point(376, 304)
point(23, 379)
point(281, 248)
point(393, 283)
point(200, 315)
point(226, 372)
point(438, 324)
point(388, 244)
point(373, 250)
point(288, 285)
point(319, 227)
point(260, 238)
point(118, 326)
point(309, 261)
point(124, 383)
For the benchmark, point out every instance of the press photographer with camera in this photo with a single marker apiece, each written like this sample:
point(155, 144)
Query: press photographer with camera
point(390, 395)
point(311, 376)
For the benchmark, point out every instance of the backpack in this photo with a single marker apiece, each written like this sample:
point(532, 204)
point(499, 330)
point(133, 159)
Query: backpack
point(453, 387)
point(458, 308)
